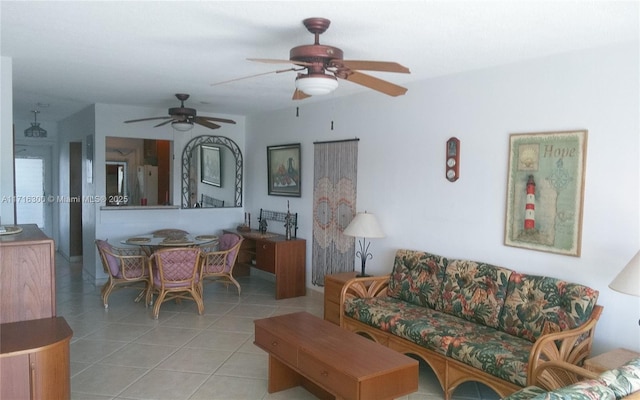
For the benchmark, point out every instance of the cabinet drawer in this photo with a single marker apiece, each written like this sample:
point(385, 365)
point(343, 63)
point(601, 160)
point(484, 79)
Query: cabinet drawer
point(266, 256)
point(327, 376)
point(274, 345)
point(332, 289)
point(332, 312)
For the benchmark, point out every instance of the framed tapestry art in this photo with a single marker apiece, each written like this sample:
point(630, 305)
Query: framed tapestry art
point(545, 189)
point(210, 171)
point(283, 168)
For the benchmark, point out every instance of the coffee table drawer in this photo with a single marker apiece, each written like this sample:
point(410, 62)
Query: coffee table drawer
point(276, 346)
point(327, 376)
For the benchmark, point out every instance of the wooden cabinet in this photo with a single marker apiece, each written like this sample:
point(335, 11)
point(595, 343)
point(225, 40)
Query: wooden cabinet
point(610, 360)
point(275, 254)
point(34, 359)
point(332, 287)
point(27, 275)
point(34, 343)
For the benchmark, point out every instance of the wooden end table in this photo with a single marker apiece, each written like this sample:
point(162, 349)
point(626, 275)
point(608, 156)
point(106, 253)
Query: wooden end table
point(333, 285)
point(609, 360)
point(331, 362)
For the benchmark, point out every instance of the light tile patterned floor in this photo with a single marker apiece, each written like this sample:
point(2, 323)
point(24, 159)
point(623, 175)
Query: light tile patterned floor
point(123, 353)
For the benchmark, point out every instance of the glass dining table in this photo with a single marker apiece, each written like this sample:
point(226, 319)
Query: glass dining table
point(149, 242)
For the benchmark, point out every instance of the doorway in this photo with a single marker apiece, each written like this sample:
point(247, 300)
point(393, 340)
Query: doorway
point(75, 208)
point(34, 204)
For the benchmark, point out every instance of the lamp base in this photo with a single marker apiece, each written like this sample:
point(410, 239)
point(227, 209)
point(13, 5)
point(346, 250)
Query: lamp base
point(363, 276)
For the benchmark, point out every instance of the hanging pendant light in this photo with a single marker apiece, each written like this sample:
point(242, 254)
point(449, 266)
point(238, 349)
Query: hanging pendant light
point(35, 130)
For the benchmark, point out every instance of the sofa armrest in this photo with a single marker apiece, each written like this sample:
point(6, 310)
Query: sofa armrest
point(365, 287)
point(571, 346)
point(553, 375)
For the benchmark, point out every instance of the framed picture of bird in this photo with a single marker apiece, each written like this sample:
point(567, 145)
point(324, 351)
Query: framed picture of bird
point(283, 169)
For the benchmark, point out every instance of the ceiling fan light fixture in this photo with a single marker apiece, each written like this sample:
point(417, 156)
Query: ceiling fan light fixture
point(182, 126)
point(316, 85)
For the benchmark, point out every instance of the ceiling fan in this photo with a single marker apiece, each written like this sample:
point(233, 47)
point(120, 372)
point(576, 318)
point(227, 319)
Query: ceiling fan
point(324, 65)
point(182, 118)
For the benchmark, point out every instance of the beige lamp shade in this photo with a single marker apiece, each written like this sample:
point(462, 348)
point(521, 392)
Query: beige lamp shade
point(628, 280)
point(364, 225)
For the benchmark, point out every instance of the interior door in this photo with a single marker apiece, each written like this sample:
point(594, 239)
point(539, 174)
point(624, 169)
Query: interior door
point(34, 203)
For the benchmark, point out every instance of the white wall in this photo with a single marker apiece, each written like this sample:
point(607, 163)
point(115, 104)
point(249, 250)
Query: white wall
point(6, 140)
point(402, 154)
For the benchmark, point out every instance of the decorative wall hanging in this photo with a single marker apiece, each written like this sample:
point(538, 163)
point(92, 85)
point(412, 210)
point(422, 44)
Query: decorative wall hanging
point(545, 191)
point(283, 166)
point(334, 206)
point(210, 171)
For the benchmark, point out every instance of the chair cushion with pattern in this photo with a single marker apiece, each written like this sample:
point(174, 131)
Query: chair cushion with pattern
point(623, 380)
point(227, 241)
point(113, 262)
point(537, 305)
point(417, 277)
point(474, 291)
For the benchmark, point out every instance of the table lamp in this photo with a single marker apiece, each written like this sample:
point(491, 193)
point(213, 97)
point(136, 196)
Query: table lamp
point(364, 225)
point(628, 280)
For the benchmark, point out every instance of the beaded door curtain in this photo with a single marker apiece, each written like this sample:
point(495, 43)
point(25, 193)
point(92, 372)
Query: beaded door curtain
point(334, 206)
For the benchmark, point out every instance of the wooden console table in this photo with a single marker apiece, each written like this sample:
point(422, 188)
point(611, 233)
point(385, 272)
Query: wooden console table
point(34, 359)
point(27, 275)
point(273, 253)
point(330, 361)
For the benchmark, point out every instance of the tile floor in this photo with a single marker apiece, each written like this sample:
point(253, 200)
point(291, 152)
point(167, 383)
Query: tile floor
point(123, 353)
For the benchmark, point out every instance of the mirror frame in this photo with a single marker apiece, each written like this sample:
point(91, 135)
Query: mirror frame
point(187, 155)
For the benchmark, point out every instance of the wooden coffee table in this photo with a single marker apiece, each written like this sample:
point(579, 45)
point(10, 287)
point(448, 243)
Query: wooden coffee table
point(331, 362)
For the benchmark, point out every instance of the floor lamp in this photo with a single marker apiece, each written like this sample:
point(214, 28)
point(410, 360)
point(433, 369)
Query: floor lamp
point(364, 225)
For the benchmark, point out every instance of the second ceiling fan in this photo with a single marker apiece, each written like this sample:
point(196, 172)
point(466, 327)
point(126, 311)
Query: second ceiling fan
point(182, 118)
point(324, 65)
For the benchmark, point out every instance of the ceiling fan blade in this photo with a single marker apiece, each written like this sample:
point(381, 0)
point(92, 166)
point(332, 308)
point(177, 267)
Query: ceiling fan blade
point(299, 95)
point(145, 119)
point(274, 61)
point(204, 122)
point(164, 123)
point(253, 76)
point(376, 84)
point(384, 66)
point(226, 121)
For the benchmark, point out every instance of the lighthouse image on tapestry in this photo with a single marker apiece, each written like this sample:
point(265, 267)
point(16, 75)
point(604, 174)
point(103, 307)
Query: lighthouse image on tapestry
point(530, 207)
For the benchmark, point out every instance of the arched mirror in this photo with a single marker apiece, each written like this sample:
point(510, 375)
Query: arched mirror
point(211, 173)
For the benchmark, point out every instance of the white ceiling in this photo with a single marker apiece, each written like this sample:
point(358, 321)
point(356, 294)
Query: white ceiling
point(72, 54)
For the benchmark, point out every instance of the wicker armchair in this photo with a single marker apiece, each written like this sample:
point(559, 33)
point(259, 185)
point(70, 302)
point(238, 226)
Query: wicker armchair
point(175, 274)
point(126, 267)
point(218, 265)
point(170, 233)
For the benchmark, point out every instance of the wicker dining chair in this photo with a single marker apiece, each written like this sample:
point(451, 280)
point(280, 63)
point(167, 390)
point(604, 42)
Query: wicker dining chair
point(170, 233)
point(126, 267)
point(175, 274)
point(218, 265)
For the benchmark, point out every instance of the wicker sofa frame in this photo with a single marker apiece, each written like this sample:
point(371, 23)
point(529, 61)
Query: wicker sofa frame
point(572, 346)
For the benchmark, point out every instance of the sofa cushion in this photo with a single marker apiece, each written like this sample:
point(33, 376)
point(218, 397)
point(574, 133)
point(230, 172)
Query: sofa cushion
point(526, 393)
point(591, 389)
point(418, 324)
point(417, 277)
point(492, 351)
point(623, 380)
point(537, 305)
point(474, 291)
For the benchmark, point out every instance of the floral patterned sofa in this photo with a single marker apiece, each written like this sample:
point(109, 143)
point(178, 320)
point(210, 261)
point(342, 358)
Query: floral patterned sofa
point(619, 383)
point(472, 321)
